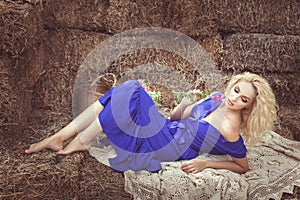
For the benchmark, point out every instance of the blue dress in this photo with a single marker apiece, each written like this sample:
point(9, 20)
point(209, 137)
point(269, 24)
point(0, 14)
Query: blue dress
point(143, 138)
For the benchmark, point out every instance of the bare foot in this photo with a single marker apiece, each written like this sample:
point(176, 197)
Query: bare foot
point(73, 146)
point(53, 143)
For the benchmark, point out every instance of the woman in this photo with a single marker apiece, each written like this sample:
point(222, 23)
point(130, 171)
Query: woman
point(143, 138)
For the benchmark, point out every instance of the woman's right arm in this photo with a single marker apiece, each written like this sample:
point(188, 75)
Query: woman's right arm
point(177, 112)
point(183, 110)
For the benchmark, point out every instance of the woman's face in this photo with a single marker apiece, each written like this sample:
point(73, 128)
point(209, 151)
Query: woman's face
point(240, 96)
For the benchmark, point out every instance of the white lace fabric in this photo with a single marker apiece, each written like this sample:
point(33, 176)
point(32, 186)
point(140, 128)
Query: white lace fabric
point(274, 169)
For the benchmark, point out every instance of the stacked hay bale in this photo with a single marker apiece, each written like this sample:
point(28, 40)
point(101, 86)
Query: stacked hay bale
point(20, 26)
point(21, 65)
point(127, 15)
point(75, 14)
point(66, 49)
point(270, 17)
point(39, 63)
point(39, 176)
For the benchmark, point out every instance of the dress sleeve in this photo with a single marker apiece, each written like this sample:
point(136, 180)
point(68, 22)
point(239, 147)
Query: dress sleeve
point(235, 149)
point(106, 97)
point(208, 105)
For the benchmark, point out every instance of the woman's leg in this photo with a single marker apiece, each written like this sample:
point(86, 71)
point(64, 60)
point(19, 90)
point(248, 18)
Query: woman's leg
point(83, 140)
point(56, 141)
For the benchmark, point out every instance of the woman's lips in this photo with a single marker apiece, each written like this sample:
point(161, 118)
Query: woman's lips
point(229, 102)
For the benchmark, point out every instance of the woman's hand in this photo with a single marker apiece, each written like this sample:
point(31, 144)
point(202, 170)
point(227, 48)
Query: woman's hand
point(186, 101)
point(238, 165)
point(194, 166)
point(183, 110)
point(191, 97)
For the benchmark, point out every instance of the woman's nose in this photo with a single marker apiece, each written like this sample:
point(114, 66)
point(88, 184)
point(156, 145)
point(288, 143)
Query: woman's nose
point(234, 98)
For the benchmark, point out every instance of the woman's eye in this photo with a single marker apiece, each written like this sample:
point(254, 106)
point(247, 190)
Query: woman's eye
point(244, 100)
point(236, 90)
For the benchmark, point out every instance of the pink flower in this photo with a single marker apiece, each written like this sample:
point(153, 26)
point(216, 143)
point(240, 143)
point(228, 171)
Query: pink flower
point(141, 81)
point(146, 88)
point(219, 97)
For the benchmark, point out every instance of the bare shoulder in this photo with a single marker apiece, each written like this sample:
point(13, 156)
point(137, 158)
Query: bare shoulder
point(230, 130)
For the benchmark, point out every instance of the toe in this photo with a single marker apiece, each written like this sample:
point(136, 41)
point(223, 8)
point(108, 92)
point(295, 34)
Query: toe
point(61, 152)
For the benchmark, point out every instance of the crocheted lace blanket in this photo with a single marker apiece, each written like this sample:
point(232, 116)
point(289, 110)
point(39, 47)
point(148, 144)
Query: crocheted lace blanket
point(274, 168)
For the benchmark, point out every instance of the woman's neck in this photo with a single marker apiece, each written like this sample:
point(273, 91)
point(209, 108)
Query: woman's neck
point(230, 113)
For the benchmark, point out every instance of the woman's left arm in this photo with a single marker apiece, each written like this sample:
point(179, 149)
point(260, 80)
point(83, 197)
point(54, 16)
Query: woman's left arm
point(238, 165)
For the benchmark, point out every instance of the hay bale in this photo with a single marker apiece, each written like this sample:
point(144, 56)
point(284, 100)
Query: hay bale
point(68, 48)
point(19, 36)
point(193, 18)
point(39, 176)
point(74, 14)
point(65, 50)
point(288, 121)
point(286, 87)
point(53, 91)
point(213, 46)
point(261, 53)
point(17, 79)
point(89, 178)
point(152, 65)
point(163, 70)
point(99, 181)
point(25, 74)
point(140, 57)
point(254, 16)
point(169, 59)
point(19, 23)
point(94, 180)
point(205, 18)
point(126, 15)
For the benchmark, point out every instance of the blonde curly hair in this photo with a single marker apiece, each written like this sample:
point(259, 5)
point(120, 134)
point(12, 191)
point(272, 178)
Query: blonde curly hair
point(261, 116)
